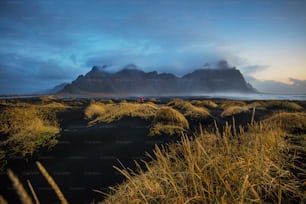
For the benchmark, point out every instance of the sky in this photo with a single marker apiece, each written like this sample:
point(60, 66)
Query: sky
point(47, 42)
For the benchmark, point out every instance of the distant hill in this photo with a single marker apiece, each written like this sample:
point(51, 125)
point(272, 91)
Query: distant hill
point(131, 81)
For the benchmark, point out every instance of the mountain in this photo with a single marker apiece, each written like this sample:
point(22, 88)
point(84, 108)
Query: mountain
point(54, 90)
point(131, 81)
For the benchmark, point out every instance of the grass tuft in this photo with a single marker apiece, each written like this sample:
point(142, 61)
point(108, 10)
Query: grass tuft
point(100, 112)
point(240, 166)
point(289, 121)
point(168, 121)
point(228, 103)
point(233, 110)
point(204, 103)
point(28, 128)
point(282, 105)
point(189, 110)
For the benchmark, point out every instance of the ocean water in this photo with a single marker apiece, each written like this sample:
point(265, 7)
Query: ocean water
point(258, 96)
point(231, 96)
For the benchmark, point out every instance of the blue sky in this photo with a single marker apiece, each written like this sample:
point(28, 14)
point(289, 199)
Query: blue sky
point(44, 43)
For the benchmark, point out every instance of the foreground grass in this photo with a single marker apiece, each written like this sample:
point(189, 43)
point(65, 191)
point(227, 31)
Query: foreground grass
point(233, 167)
point(24, 196)
point(26, 128)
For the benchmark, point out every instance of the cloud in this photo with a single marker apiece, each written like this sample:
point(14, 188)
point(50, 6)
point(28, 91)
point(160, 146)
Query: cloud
point(271, 86)
point(58, 40)
point(252, 69)
point(298, 83)
point(32, 67)
point(20, 74)
point(163, 60)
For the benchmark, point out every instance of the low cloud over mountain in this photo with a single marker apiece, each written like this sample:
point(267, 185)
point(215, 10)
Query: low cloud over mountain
point(132, 81)
point(276, 87)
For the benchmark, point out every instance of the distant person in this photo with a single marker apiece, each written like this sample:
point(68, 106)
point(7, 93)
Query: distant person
point(140, 99)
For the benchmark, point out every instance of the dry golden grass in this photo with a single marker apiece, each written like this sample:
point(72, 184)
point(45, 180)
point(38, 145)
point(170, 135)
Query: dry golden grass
point(162, 129)
point(25, 198)
point(2, 200)
point(289, 121)
point(52, 183)
point(47, 98)
point(204, 103)
point(33, 192)
point(282, 105)
point(3, 162)
point(190, 110)
point(29, 127)
point(168, 121)
point(237, 167)
point(228, 103)
point(234, 109)
point(53, 106)
point(153, 100)
point(94, 110)
point(100, 112)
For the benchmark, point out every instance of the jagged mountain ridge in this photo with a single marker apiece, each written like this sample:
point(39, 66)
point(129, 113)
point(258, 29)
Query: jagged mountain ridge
point(131, 81)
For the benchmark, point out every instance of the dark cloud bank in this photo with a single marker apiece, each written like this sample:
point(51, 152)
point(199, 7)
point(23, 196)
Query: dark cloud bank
point(45, 43)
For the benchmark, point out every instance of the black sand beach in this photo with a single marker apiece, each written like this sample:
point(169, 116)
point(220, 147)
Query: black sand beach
point(84, 157)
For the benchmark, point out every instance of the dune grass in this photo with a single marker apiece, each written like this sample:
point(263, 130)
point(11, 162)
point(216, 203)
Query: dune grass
point(100, 112)
point(245, 166)
point(94, 110)
point(204, 103)
point(282, 105)
point(28, 128)
point(236, 107)
point(289, 121)
point(168, 121)
point(227, 103)
point(233, 110)
point(189, 110)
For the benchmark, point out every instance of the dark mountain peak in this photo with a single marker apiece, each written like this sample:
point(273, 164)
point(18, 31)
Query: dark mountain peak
point(130, 71)
point(132, 81)
point(152, 74)
point(98, 68)
point(167, 76)
point(95, 69)
point(131, 67)
point(80, 76)
point(222, 64)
